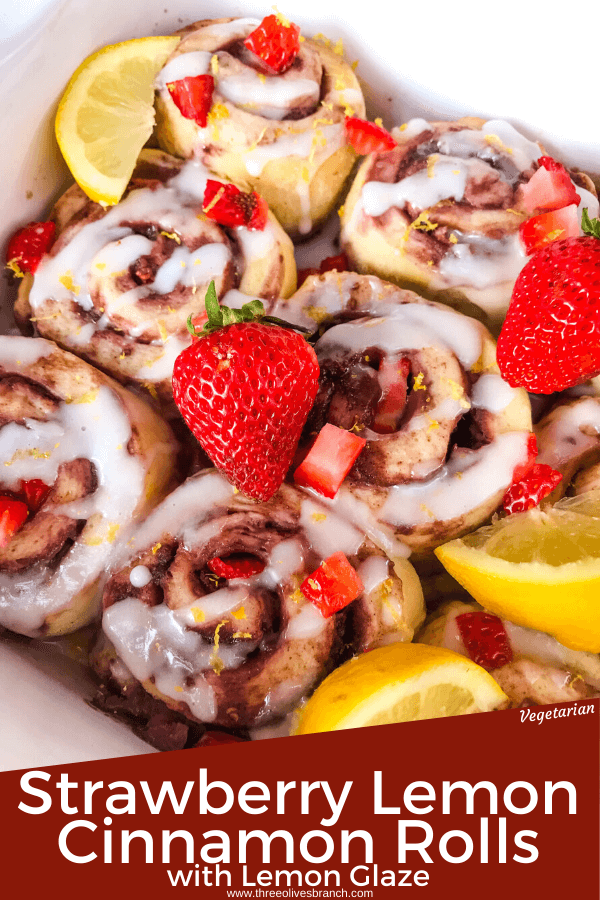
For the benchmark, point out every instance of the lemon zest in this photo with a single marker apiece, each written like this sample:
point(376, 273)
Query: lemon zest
point(67, 281)
point(88, 397)
point(215, 660)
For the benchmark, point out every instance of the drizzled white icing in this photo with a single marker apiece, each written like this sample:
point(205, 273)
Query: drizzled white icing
point(36, 449)
point(469, 478)
point(491, 392)
point(482, 261)
point(449, 180)
point(21, 352)
point(411, 326)
point(140, 576)
point(186, 65)
point(572, 431)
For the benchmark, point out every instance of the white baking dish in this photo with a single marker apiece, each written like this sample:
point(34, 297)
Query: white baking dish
point(437, 60)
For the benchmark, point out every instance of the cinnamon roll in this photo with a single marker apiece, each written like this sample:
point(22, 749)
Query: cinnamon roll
point(240, 651)
point(441, 212)
point(280, 134)
point(420, 383)
point(82, 459)
point(532, 669)
point(568, 440)
point(118, 284)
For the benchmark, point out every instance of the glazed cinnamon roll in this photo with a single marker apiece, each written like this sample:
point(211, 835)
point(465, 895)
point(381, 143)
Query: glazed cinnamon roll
point(531, 667)
point(280, 134)
point(237, 651)
point(420, 383)
point(569, 441)
point(441, 212)
point(118, 284)
point(82, 460)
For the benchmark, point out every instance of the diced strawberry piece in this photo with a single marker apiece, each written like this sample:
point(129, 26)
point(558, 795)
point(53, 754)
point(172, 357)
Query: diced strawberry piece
point(530, 490)
point(393, 377)
point(27, 246)
point(366, 137)
point(198, 321)
point(550, 187)
point(329, 460)
point(235, 566)
point(333, 585)
point(35, 492)
point(13, 513)
point(531, 451)
point(229, 206)
point(540, 230)
point(485, 639)
point(337, 263)
point(276, 43)
point(193, 97)
point(217, 738)
point(303, 274)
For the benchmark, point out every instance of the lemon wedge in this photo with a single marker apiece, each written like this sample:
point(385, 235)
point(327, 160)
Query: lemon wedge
point(106, 114)
point(399, 683)
point(540, 569)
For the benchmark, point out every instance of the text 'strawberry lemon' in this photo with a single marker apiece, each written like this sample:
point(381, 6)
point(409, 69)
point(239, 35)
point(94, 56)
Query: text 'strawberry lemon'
point(399, 683)
point(106, 114)
point(539, 569)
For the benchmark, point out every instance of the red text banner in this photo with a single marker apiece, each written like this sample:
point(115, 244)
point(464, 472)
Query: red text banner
point(505, 804)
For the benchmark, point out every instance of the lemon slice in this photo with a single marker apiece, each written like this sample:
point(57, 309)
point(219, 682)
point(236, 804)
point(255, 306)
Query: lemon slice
point(399, 683)
point(106, 114)
point(540, 569)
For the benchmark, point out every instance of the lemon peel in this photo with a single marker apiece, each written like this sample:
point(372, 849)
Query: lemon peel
point(399, 683)
point(106, 114)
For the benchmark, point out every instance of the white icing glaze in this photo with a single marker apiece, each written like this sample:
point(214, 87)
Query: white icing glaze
point(286, 558)
point(328, 532)
point(186, 65)
point(373, 571)
point(422, 190)
point(270, 97)
point(468, 479)
point(308, 623)
point(531, 644)
point(18, 352)
point(140, 576)
point(411, 326)
point(481, 261)
point(491, 392)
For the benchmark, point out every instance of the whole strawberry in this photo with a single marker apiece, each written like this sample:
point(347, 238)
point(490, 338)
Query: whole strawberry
point(245, 389)
point(550, 339)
